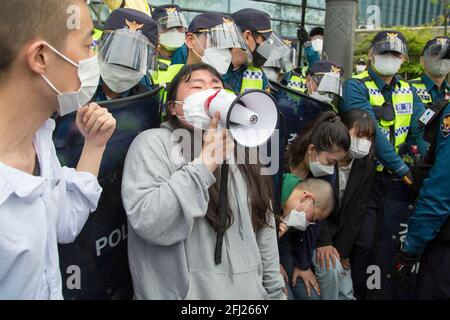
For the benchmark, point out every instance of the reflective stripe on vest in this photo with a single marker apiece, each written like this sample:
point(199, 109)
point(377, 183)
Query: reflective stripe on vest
point(422, 92)
point(297, 83)
point(252, 79)
point(97, 34)
point(402, 100)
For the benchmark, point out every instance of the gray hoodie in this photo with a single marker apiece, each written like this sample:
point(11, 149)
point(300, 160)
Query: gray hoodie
point(170, 243)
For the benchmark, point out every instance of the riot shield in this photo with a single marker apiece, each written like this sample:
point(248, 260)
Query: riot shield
point(396, 206)
point(95, 266)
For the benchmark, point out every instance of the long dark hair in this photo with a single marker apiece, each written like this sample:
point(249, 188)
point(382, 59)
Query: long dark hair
point(259, 187)
point(362, 122)
point(326, 132)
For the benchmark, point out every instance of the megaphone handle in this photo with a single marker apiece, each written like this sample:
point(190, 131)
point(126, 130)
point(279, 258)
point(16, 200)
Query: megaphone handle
point(223, 212)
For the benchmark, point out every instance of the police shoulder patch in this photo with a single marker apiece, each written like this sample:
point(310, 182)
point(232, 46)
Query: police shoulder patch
point(445, 125)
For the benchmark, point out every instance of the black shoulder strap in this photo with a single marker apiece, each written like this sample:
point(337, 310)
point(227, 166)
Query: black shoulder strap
point(432, 128)
point(123, 4)
point(365, 79)
point(416, 81)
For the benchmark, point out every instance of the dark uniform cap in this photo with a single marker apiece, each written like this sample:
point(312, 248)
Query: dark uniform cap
point(253, 20)
point(161, 11)
point(361, 62)
point(317, 31)
point(125, 18)
point(324, 66)
point(439, 42)
point(386, 35)
point(206, 21)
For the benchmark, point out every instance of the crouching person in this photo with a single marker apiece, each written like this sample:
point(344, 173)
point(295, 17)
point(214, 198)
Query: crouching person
point(304, 203)
point(41, 203)
point(172, 202)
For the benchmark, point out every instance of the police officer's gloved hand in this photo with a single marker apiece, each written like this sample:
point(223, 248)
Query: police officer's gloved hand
point(401, 272)
point(302, 34)
point(407, 179)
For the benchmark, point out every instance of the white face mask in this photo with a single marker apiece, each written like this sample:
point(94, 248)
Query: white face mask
point(297, 219)
point(319, 170)
point(317, 45)
point(220, 59)
point(172, 39)
point(194, 109)
point(89, 75)
point(437, 68)
point(359, 148)
point(118, 78)
point(360, 68)
point(327, 97)
point(387, 64)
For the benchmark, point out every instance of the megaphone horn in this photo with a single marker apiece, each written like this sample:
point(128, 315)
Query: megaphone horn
point(251, 117)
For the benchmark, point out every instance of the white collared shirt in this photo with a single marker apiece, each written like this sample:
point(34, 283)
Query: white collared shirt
point(344, 175)
point(37, 213)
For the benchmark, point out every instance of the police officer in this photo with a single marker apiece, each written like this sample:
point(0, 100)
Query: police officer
point(395, 106)
point(129, 35)
point(429, 226)
point(360, 67)
point(263, 44)
point(278, 70)
point(172, 32)
point(312, 43)
point(313, 46)
point(432, 86)
point(214, 38)
point(324, 80)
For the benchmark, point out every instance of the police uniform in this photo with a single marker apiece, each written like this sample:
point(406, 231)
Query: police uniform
point(96, 35)
point(253, 77)
point(429, 225)
point(297, 81)
point(133, 21)
point(161, 14)
point(239, 80)
point(427, 89)
point(396, 108)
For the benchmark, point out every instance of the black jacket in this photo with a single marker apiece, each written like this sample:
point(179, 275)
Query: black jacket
point(342, 227)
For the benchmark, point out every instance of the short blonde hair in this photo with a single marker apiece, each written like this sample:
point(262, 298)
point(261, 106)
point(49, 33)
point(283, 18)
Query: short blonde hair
point(323, 194)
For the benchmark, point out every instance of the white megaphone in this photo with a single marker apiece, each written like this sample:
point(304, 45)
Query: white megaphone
point(251, 117)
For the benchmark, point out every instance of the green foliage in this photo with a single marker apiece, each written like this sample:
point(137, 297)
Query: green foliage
point(416, 41)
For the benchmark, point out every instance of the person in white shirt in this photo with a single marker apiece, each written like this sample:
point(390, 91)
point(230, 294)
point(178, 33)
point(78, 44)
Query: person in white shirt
point(46, 66)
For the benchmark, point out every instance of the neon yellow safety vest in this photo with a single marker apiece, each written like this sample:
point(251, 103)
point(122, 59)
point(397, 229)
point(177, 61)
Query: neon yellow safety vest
point(252, 79)
point(402, 100)
point(96, 35)
point(422, 92)
point(297, 83)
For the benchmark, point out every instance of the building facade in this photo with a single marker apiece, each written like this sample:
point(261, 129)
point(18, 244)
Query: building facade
point(398, 12)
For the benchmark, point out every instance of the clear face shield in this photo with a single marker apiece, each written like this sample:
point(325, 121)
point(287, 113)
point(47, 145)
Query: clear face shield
point(394, 44)
point(331, 82)
point(172, 30)
point(174, 19)
point(445, 52)
point(129, 49)
point(225, 36)
point(284, 64)
point(437, 59)
point(273, 48)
